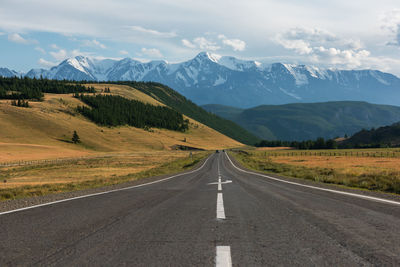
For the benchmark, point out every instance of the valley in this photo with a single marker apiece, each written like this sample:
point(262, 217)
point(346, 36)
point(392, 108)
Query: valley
point(37, 156)
point(308, 121)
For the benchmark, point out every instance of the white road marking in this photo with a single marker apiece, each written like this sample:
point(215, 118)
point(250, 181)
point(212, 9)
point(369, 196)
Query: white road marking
point(220, 207)
point(103, 193)
point(319, 188)
point(219, 182)
point(219, 179)
point(223, 256)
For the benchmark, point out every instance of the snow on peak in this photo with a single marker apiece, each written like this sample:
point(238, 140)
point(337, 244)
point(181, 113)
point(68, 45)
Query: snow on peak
point(378, 77)
point(79, 63)
point(214, 57)
point(238, 64)
point(295, 71)
point(206, 55)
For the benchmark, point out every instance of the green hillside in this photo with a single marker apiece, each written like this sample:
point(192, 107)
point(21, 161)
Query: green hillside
point(178, 102)
point(303, 121)
point(387, 136)
point(226, 112)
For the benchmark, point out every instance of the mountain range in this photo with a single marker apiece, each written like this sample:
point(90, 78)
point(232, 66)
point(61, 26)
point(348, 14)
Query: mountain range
point(214, 79)
point(303, 121)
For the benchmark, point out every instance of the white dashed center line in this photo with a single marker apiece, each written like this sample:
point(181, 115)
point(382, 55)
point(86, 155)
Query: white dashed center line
point(223, 257)
point(220, 207)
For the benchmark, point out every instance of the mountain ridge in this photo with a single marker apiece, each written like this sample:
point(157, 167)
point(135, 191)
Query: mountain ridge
point(210, 78)
point(303, 121)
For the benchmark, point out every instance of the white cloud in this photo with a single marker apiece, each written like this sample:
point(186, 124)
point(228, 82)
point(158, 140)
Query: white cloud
point(323, 47)
point(201, 43)
point(208, 44)
point(54, 46)
point(165, 23)
point(152, 52)
point(152, 32)
point(2, 33)
point(46, 64)
point(310, 34)
point(337, 57)
point(59, 55)
point(41, 50)
point(205, 44)
point(300, 46)
point(93, 43)
point(17, 38)
point(188, 44)
point(236, 44)
point(391, 23)
point(124, 52)
point(62, 54)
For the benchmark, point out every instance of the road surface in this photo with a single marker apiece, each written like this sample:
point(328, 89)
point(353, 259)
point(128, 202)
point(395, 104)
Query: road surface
point(217, 215)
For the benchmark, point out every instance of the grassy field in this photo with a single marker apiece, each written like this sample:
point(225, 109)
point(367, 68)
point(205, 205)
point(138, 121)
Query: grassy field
point(44, 131)
point(37, 180)
point(372, 169)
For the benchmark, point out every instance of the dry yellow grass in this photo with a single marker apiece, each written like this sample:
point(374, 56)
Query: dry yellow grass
point(44, 131)
point(111, 155)
point(127, 92)
point(345, 165)
point(87, 169)
point(273, 148)
point(373, 173)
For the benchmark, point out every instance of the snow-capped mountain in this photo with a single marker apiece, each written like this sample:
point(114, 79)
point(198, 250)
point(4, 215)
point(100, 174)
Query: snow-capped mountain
point(210, 78)
point(4, 72)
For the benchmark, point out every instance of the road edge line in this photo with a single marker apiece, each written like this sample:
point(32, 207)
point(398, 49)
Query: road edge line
point(382, 200)
point(102, 193)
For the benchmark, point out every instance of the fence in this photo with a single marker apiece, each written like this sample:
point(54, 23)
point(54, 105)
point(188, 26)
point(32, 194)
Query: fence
point(376, 154)
point(52, 161)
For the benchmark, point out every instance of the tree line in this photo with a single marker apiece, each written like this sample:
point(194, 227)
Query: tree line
point(319, 143)
point(27, 88)
point(111, 110)
point(173, 99)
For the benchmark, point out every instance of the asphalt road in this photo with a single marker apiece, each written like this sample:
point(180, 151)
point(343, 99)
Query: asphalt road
point(187, 221)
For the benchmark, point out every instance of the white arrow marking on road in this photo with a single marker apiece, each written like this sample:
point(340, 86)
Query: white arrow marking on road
point(226, 182)
point(219, 183)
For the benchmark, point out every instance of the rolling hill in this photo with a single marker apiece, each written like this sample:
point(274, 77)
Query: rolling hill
point(45, 129)
point(309, 121)
point(387, 136)
point(180, 103)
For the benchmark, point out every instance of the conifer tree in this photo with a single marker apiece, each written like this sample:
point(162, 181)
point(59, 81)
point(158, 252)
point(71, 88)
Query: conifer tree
point(75, 138)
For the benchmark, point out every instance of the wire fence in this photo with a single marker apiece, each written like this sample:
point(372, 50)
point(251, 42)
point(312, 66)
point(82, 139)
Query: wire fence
point(375, 154)
point(52, 161)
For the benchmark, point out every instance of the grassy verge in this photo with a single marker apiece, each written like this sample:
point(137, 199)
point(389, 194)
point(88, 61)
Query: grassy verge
point(379, 180)
point(175, 166)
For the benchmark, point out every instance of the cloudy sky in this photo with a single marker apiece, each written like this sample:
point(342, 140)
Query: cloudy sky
point(342, 34)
